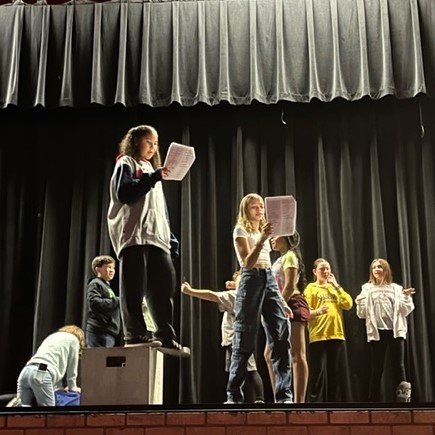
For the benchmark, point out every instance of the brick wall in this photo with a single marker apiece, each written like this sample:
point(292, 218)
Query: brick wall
point(274, 422)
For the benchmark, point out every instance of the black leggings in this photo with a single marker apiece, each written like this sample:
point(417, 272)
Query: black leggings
point(146, 270)
point(377, 358)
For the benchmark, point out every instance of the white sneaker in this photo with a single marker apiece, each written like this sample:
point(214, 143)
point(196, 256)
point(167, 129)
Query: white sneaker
point(403, 392)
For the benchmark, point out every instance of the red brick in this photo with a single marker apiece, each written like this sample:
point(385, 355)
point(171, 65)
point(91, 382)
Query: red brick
point(328, 430)
point(146, 419)
point(31, 420)
point(65, 420)
point(42, 431)
point(227, 418)
point(393, 417)
point(125, 431)
point(84, 431)
point(185, 418)
point(2, 421)
point(287, 430)
point(205, 430)
point(12, 432)
point(370, 430)
point(349, 417)
point(262, 418)
point(105, 420)
point(412, 429)
point(246, 430)
point(423, 416)
point(307, 417)
point(165, 431)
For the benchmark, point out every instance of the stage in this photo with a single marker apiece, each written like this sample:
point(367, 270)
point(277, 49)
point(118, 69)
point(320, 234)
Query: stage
point(265, 419)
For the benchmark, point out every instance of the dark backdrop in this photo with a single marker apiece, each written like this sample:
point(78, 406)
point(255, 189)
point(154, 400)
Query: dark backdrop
point(362, 174)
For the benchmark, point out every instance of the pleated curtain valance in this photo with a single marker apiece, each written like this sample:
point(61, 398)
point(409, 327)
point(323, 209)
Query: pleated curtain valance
point(157, 53)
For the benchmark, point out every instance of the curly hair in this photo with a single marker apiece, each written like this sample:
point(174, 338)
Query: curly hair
point(76, 331)
point(242, 217)
point(129, 145)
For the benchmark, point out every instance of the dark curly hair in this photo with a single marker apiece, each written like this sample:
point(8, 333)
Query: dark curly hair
point(129, 145)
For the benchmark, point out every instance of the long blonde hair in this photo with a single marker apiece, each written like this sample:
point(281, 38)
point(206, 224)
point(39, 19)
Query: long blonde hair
point(243, 216)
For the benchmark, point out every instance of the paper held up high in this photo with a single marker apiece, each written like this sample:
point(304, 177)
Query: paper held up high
point(179, 159)
point(281, 214)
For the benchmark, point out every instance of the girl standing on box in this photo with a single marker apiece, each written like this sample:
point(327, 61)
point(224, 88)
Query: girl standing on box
point(139, 230)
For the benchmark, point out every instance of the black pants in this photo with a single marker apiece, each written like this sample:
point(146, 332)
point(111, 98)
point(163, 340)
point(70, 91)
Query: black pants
point(328, 372)
point(148, 271)
point(378, 350)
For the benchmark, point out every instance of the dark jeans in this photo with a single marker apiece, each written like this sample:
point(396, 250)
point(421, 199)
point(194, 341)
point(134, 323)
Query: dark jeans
point(328, 373)
point(148, 271)
point(378, 350)
point(95, 339)
point(257, 295)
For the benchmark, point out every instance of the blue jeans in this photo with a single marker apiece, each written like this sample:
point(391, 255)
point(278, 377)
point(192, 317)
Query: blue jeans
point(258, 295)
point(33, 383)
point(99, 339)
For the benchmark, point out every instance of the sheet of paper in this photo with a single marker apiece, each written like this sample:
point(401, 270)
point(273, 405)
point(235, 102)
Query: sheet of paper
point(179, 159)
point(281, 213)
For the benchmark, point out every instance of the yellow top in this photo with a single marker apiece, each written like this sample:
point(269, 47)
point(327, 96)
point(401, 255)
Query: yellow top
point(328, 326)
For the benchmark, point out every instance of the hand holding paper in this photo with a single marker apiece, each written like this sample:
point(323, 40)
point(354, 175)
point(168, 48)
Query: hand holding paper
point(179, 159)
point(281, 214)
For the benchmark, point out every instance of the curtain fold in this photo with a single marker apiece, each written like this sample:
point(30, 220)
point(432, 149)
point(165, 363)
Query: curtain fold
point(158, 53)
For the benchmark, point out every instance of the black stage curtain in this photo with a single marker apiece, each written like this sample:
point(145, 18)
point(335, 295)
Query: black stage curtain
point(362, 174)
point(161, 52)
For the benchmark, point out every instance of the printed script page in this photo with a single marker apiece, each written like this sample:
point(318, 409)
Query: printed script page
point(179, 159)
point(281, 214)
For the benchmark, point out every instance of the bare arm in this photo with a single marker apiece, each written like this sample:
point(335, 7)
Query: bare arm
point(207, 295)
point(290, 277)
point(250, 255)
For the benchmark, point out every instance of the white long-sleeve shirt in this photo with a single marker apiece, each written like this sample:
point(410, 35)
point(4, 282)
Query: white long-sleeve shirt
point(60, 351)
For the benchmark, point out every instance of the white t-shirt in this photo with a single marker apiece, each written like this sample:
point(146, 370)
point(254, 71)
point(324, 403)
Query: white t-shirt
point(252, 237)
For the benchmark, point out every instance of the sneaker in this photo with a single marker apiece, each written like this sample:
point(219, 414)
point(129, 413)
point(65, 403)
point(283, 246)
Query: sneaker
point(13, 402)
point(174, 349)
point(403, 392)
point(232, 402)
point(144, 340)
point(259, 401)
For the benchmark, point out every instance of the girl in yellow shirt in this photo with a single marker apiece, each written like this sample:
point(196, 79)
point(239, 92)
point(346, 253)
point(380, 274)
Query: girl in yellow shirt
point(326, 300)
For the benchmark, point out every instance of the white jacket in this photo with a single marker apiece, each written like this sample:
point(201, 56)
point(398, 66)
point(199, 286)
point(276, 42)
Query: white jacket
point(403, 305)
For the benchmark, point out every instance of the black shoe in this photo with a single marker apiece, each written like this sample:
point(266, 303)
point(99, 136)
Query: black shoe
point(173, 348)
point(143, 340)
